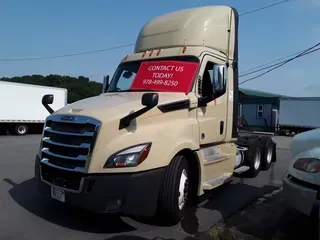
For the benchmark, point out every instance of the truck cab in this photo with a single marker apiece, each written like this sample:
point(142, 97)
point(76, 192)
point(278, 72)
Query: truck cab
point(164, 129)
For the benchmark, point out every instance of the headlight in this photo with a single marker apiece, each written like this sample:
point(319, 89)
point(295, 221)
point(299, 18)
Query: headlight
point(310, 165)
point(129, 157)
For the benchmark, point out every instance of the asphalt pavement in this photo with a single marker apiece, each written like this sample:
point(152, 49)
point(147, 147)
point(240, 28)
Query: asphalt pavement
point(25, 214)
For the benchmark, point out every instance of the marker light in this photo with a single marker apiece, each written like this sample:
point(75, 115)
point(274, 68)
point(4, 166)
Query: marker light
point(158, 53)
point(310, 165)
point(151, 53)
point(184, 49)
point(144, 54)
point(129, 157)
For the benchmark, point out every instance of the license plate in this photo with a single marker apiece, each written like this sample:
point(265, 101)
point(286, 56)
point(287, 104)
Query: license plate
point(58, 194)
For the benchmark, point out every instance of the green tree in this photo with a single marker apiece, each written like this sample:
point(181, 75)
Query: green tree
point(78, 88)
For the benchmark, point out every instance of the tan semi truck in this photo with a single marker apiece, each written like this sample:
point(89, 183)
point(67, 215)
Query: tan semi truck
point(164, 130)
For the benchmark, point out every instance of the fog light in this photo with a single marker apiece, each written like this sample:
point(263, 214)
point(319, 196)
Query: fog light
point(112, 205)
point(318, 194)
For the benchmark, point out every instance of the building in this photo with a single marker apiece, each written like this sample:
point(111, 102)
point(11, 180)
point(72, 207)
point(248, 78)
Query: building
point(258, 111)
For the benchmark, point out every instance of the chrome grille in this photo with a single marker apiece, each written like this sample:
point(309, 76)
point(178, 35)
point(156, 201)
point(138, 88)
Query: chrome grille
point(68, 141)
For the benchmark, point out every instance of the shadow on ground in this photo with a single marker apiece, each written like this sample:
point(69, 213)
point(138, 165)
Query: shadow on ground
point(128, 237)
point(224, 201)
point(272, 219)
point(221, 203)
point(27, 196)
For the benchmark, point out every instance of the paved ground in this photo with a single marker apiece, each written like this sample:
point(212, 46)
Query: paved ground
point(25, 214)
point(267, 218)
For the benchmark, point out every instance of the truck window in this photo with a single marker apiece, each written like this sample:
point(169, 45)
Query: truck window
point(214, 80)
point(166, 74)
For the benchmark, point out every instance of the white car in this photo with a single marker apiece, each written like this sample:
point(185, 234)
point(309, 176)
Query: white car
point(301, 183)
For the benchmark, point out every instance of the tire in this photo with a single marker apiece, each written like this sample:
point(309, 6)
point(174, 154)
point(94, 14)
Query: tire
point(252, 158)
point(168, 210)
point(21, 129)
point(267, 152)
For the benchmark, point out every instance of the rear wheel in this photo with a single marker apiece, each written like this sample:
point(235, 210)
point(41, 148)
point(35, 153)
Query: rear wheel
point(252, 158)
point(174, 192)
point(21, 129)
point(267, 152)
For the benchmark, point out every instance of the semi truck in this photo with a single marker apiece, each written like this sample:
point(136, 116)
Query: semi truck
point(163, 132)
point(21, 108)
point(298, 115)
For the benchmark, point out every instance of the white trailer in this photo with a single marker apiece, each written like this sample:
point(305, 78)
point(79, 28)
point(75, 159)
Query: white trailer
point(299, 114)
point(21, 109)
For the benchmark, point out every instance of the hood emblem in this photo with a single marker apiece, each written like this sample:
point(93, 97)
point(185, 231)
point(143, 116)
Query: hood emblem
point(68, 118)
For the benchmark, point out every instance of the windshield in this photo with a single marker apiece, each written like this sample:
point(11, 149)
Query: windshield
point(169, 75)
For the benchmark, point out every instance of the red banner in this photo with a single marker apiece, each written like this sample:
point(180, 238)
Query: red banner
point(170, 76)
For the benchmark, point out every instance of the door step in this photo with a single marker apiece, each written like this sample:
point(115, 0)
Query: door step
point(241, 169)
point(216, 182)
point(213, 154)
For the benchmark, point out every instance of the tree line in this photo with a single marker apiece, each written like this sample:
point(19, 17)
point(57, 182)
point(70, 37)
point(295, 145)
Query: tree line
point(78, 87)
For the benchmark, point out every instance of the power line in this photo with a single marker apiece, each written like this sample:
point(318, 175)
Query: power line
point(65, 55)
point(305, 52)
point(117, 47)
point(270, 66)
point(265, 64)
point(262, 8)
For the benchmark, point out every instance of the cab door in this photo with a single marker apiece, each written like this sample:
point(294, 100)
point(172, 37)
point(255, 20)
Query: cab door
point(212, 118)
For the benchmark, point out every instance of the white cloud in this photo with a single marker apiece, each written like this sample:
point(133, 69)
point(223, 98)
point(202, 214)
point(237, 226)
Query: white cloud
point(315, 3)
point(307, 3)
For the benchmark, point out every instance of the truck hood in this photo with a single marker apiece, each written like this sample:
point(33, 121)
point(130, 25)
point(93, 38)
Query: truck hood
point(111, 106)
point(305, 145)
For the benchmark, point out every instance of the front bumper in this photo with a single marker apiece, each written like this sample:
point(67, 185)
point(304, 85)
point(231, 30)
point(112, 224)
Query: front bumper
point(125, 193)
point(301, 195)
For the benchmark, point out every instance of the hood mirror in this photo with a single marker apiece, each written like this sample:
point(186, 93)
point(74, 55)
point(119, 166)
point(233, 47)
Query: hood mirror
point(150, 100)
point(46, 100)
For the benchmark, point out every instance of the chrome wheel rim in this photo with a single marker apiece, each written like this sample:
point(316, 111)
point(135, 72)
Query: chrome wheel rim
point(21, 129)
point(269, 154)
point(183, 189)
point(257, 159)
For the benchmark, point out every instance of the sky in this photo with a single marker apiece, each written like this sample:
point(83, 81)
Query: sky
point(41, 28)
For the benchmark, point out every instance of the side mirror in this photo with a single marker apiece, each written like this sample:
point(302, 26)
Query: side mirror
point(150, 100)
point(105, 84)
point(46, 100)
point(127, 74)
point(220, 73)
point(203, 101)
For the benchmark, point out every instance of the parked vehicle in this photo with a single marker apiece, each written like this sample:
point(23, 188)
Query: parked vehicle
point(297, 115)
point(163, 132)
point(301, 183)
point(21, 108)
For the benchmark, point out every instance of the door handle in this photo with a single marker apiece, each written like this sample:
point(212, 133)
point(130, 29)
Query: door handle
point(221, 127)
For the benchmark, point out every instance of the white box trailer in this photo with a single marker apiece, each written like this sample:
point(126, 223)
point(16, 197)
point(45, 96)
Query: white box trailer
point(299, 114)
point(21, 106)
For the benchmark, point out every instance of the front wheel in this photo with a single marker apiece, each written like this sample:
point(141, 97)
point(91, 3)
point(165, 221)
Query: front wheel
point(174, 192)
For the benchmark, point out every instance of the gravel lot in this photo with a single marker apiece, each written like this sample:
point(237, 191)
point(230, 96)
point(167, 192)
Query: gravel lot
point(25, 214)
